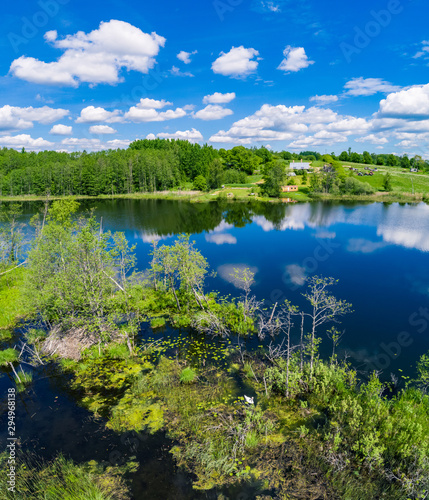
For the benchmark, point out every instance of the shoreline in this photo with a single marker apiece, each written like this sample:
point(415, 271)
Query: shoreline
point(200, 197)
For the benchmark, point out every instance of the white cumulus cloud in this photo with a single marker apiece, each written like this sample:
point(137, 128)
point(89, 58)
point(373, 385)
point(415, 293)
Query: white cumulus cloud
point(186, 56)
point(324, 99)
point(175, 71)
point(153, 103)
point(368, 86)
point(61, 130)
point(238, 62)
point(413, 102)
point(303, 126)
point(16, 118)
point(147, 111)
point(94, 58)
point(102, 129)
point(186, 135)
point(78, 144)
point(25, 141)
point(219, 98)
point(213, 112)
point(137, 115)
point(91, 114)
point(295, 59)
point(373, 139)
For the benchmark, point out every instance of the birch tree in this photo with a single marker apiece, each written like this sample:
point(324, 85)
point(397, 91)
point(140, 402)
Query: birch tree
point(324, 308)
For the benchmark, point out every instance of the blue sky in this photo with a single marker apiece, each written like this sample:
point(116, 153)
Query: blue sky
point(289, 75)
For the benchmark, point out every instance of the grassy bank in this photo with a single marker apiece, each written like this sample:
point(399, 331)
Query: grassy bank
point(387, 197)
point(249, 192)
point(12, 304)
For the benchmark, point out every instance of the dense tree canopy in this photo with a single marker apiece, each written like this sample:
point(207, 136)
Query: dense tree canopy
point(153, 165)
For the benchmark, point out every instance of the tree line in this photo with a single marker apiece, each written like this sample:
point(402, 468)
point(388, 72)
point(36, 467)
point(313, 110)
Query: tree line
point(157, 165)
point(145, 166)
point(386, 159)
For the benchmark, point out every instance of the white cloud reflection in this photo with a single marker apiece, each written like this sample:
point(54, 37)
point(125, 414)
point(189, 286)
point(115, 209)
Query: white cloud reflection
point(151, 237)
point(226, 272)
point(218, 235)
point(221, 238)
point(295, 274)
point(408, 238)
point(361, 245)
point(401, 225)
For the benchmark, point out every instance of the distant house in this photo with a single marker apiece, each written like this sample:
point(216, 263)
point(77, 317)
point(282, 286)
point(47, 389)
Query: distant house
point(414, 169)
point(289, 189)
point(300, 165)
point(292, 174)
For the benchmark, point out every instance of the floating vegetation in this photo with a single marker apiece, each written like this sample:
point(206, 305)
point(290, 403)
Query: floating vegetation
point(157, 322)
point(137, 413)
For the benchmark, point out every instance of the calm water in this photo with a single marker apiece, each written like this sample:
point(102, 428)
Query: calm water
point(379, 254)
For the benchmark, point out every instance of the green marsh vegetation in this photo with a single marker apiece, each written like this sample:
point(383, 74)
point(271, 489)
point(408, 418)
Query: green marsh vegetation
point(61, 478)
point(314, 428)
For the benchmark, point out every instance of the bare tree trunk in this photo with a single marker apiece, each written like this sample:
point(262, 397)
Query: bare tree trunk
point(197, 299)
point(16, 374)
point(313, 334)
point(175, 295)
point(302, 341)
point(13, 268)
point(272, 313)
point(288, 354)
point(114, 281)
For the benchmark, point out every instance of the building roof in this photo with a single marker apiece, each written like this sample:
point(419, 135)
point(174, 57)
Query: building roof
point(300, 165)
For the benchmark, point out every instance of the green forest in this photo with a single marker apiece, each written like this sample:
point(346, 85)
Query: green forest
point(154, 165)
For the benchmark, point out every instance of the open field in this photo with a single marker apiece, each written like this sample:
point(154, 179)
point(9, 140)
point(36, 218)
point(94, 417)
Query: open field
point(403, 181)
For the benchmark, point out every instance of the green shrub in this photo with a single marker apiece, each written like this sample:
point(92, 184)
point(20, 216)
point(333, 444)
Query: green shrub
point(200, 183)
point(118, 351)
point(356, 187)
point(232, 176)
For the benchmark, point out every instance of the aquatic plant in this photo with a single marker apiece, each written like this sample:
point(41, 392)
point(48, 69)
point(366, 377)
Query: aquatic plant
point(158, 322)
point(25, 379)
point(188, 375)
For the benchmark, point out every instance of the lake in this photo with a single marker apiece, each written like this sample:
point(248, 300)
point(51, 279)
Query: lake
point(378, 252)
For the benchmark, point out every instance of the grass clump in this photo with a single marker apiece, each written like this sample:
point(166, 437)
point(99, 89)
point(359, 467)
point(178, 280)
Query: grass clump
point(23, 380)
point(62, 479)
point(188, 375)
